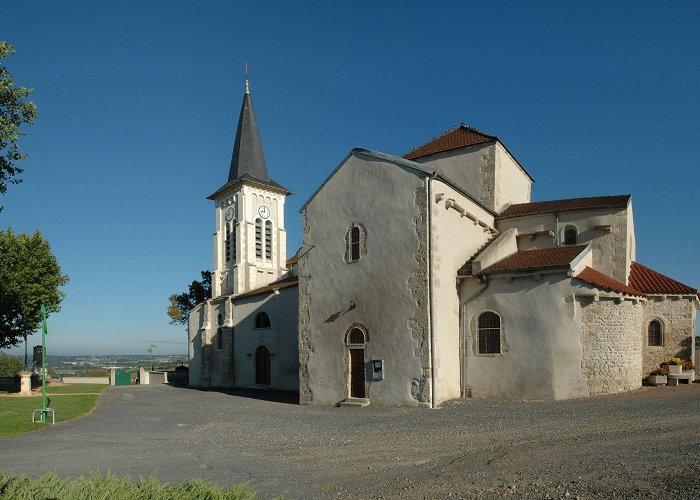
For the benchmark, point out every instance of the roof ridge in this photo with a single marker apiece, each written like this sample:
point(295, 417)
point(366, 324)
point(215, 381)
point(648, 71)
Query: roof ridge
point(566, 204)
point(448, 147)
point(654, 282)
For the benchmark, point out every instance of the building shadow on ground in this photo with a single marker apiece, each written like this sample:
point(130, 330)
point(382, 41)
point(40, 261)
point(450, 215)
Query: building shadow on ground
point(276, 396)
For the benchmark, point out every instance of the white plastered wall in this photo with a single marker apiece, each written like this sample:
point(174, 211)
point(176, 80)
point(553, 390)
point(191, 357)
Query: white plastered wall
point(513, 185)
point(455, 239)
point(608, 231)
point(388, 285)
point(280, 339)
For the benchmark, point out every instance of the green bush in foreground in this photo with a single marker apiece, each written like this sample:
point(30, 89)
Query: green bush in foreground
point(50, 486)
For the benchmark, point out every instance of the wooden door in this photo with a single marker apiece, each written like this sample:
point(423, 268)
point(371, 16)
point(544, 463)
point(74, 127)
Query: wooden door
point(357, 373)
point(262, 366)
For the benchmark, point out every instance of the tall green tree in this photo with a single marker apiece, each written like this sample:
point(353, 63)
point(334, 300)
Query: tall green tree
point(180, 304)
point(29, 276)
point(15, 111)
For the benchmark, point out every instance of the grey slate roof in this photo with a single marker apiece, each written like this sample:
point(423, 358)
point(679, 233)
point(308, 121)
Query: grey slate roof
point(248, 154)
point(248, 161)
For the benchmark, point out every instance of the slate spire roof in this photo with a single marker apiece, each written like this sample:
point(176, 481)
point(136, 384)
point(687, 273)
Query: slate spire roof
point(248, 160)
point(248, 154)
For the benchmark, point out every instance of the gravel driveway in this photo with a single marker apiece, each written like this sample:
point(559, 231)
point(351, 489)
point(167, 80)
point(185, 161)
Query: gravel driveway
point(640, 444)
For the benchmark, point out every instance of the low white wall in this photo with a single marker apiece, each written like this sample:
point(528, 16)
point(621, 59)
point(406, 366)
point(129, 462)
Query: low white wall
point(157, 377)
point(86, 380)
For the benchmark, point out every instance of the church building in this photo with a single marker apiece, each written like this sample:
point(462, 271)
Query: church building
point(429, 277)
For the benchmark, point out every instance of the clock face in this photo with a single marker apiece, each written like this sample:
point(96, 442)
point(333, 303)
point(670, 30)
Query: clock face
point(230, 213)
point(264, 211)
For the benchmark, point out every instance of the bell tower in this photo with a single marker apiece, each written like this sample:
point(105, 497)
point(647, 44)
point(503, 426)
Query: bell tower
point(250, 240)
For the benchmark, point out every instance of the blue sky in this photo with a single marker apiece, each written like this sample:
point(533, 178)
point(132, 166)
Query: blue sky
point(138, 103)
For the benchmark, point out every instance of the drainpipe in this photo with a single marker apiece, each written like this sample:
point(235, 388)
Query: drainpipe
point(556, 229)
point(431, 323)
point(485, 281)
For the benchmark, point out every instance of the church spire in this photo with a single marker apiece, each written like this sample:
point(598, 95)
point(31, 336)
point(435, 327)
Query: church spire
point(248, 154)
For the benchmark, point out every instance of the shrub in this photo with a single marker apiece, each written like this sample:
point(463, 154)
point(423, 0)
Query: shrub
point(688, 365)
point(674, 361)
point(10, 365)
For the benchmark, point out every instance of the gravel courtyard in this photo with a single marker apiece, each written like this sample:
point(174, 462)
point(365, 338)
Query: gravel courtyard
point(641, 444)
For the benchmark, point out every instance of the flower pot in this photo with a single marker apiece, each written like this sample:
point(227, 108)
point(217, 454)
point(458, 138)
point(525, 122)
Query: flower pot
point(657, 379)
point(675, 369)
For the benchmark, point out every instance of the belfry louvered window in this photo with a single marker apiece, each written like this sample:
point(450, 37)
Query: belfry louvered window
point(234, 231)
point(228, 243)
point(258, 239)
point(268, 240)
point(231, 242)
point(489, 333)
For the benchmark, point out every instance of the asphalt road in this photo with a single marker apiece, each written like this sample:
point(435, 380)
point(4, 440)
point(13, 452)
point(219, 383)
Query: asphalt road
point(642, 444)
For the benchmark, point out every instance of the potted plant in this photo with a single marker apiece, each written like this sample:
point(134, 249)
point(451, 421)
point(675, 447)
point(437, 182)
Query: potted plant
point(689, 367)
point(675, 366)
point(658, 376)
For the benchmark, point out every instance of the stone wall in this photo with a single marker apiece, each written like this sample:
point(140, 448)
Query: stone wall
point(677, 317)
point(612, 345)
point(417, 284)
point(487, 190)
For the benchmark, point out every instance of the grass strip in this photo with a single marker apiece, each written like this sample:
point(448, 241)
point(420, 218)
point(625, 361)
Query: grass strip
point(75, 388)
point(50, 486)
point(16, 412)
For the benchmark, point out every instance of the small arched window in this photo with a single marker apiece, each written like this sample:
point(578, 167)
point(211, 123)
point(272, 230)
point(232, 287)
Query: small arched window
point(489, 341)
point(356, 336)
point(655, 336)
point(355, 243)
point(262, 320)
point(570, 235)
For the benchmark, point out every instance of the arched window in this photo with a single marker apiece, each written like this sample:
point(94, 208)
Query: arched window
point(262, 320)
point(268, 240)
point(262, 366)
point(655, 336)
point(219, 333)
point(355, 243)
point(570, 235)
point(231, 242)
point(489, 341)
point(258, 238)
point(356, 337)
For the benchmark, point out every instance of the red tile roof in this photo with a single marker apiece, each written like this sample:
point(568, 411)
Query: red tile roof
point(652, 282)
point(293, 260)
point(598, 279)
point(459, 137)
point(545, 207)
point(537, 259)
point(275, 285)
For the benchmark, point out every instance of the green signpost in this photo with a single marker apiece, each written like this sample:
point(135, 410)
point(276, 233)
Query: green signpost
point(43, 363)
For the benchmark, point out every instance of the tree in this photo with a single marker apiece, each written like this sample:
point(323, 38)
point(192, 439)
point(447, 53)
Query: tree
point(180, 304)
point(29, 276)
point(15, 111)
point(10, 365)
